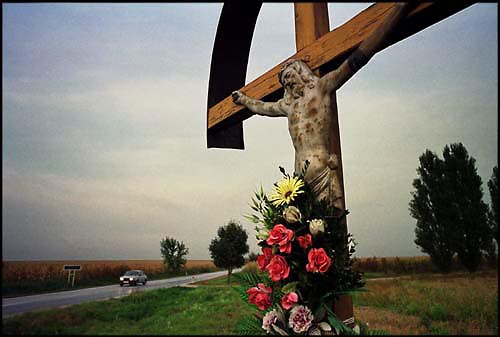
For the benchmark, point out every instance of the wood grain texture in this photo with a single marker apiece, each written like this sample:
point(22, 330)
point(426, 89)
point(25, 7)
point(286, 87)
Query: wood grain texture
point(311, 22)
point(332, 48)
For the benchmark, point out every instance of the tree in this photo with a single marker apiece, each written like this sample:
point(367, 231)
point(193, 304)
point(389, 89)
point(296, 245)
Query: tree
point(173, 253)
point(252, 256)
point(447, 204)
point(493, 218)
point(493, 187)
point(469, 212)
point(228, 248)
point(429, 206)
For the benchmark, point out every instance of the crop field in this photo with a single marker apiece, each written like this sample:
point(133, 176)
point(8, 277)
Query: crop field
point(31, 277)
point(44, 270)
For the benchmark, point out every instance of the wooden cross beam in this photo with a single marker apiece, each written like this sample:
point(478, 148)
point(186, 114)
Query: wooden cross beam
point(224, 118)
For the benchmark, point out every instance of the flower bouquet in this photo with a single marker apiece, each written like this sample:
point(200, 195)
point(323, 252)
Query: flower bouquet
point(305, 262)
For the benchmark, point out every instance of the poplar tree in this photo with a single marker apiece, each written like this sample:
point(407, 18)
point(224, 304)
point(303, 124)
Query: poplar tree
point(429, 206)
point(448, 206)
point(469, 212)
point(493, 187)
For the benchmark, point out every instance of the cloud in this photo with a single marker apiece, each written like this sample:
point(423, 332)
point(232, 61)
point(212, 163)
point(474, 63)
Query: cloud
point(104, 126)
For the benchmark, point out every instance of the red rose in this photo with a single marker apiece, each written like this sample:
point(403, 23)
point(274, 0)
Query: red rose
point(278, 268)
point(289, 300)
point(318, 260)
point(264, 259)
point(305, 241)
point(259, 296)
point(282, 236)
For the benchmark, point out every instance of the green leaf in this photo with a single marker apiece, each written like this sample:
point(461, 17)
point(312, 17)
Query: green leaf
point(319, 314)
point(289, 287)
point(249, 279)
point(337, 324)
point(249, 326)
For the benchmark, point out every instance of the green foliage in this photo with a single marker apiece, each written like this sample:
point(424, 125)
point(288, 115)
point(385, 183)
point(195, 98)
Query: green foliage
point(252, 256)
point(172, 311)
point(447, 204)
point(493, 188)
point(468, 211)
point(340, 327)
point(429, 206)
point(174, 254)
point(228, 248)
point(315, 290)
point(249, 326)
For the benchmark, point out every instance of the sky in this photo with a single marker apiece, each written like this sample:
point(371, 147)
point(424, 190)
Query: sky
point(104, 126)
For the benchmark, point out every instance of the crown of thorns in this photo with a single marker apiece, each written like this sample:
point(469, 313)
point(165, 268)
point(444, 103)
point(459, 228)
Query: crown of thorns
point(284, 66)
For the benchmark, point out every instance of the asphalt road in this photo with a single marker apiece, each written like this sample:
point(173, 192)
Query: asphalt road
point(18, 305)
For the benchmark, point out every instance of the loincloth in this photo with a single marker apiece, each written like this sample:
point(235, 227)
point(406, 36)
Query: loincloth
point(326, 185)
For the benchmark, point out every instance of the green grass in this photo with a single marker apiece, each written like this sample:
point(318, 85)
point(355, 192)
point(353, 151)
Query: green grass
point(441, 304)
point(202, 310)
point(370, 275)
point(437, 300)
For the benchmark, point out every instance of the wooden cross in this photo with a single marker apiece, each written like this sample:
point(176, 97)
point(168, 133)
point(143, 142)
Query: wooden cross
point(323, 50)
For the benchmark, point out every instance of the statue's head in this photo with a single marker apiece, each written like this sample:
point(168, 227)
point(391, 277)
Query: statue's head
point(294, 76)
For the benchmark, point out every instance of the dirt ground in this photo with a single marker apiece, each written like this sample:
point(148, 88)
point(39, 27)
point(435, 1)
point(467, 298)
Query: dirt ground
point(390, 322)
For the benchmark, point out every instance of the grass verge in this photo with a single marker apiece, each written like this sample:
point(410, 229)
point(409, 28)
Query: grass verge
point(179, 310)
point(445, 304)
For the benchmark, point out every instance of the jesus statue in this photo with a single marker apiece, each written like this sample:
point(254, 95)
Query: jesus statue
point(309, 103)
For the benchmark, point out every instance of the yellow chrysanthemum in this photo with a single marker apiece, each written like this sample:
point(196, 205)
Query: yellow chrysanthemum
point(286, 190)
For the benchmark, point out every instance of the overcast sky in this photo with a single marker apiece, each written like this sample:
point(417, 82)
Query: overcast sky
point(104, 115)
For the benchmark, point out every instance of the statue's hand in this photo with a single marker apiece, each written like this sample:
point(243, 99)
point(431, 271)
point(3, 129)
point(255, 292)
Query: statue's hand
point(237, 97)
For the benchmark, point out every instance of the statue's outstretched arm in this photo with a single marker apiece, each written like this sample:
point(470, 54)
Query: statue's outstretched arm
point(270, 109)
point(369, 47)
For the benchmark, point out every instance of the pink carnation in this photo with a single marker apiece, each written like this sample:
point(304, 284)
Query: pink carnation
point(288, 300)
point(300, 319)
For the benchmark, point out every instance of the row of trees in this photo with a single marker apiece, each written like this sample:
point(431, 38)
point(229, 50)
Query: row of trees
point(226, 250)
point(448, 205)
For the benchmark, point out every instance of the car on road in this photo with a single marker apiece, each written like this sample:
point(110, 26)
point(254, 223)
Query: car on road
point(133, 277)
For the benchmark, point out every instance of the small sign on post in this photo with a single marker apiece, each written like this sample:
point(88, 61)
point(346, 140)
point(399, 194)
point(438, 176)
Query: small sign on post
point(72, 268)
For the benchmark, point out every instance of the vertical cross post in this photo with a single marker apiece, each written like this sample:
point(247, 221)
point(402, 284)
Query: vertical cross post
point(312, 22)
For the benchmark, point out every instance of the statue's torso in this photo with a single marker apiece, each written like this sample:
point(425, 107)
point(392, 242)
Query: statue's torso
point(310, 122)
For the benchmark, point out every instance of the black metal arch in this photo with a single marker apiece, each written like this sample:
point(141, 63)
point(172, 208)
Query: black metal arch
point(228, 67)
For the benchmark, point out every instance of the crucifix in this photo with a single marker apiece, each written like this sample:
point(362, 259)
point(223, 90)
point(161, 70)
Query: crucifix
point(324, 61)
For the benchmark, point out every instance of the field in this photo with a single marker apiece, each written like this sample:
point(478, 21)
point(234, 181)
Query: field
point(457, 303)
point(34, 277)
point(31, 277)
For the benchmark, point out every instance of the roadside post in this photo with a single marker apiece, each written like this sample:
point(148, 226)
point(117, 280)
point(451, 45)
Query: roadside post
point(72, 268)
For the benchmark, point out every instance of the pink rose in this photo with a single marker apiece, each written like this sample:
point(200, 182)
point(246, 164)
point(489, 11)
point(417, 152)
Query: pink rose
point(318, 261)
point(264, 259)
point(288, 300)
point(259, 296)
point(278, 268)
point(281, 236)
point(305, 241)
